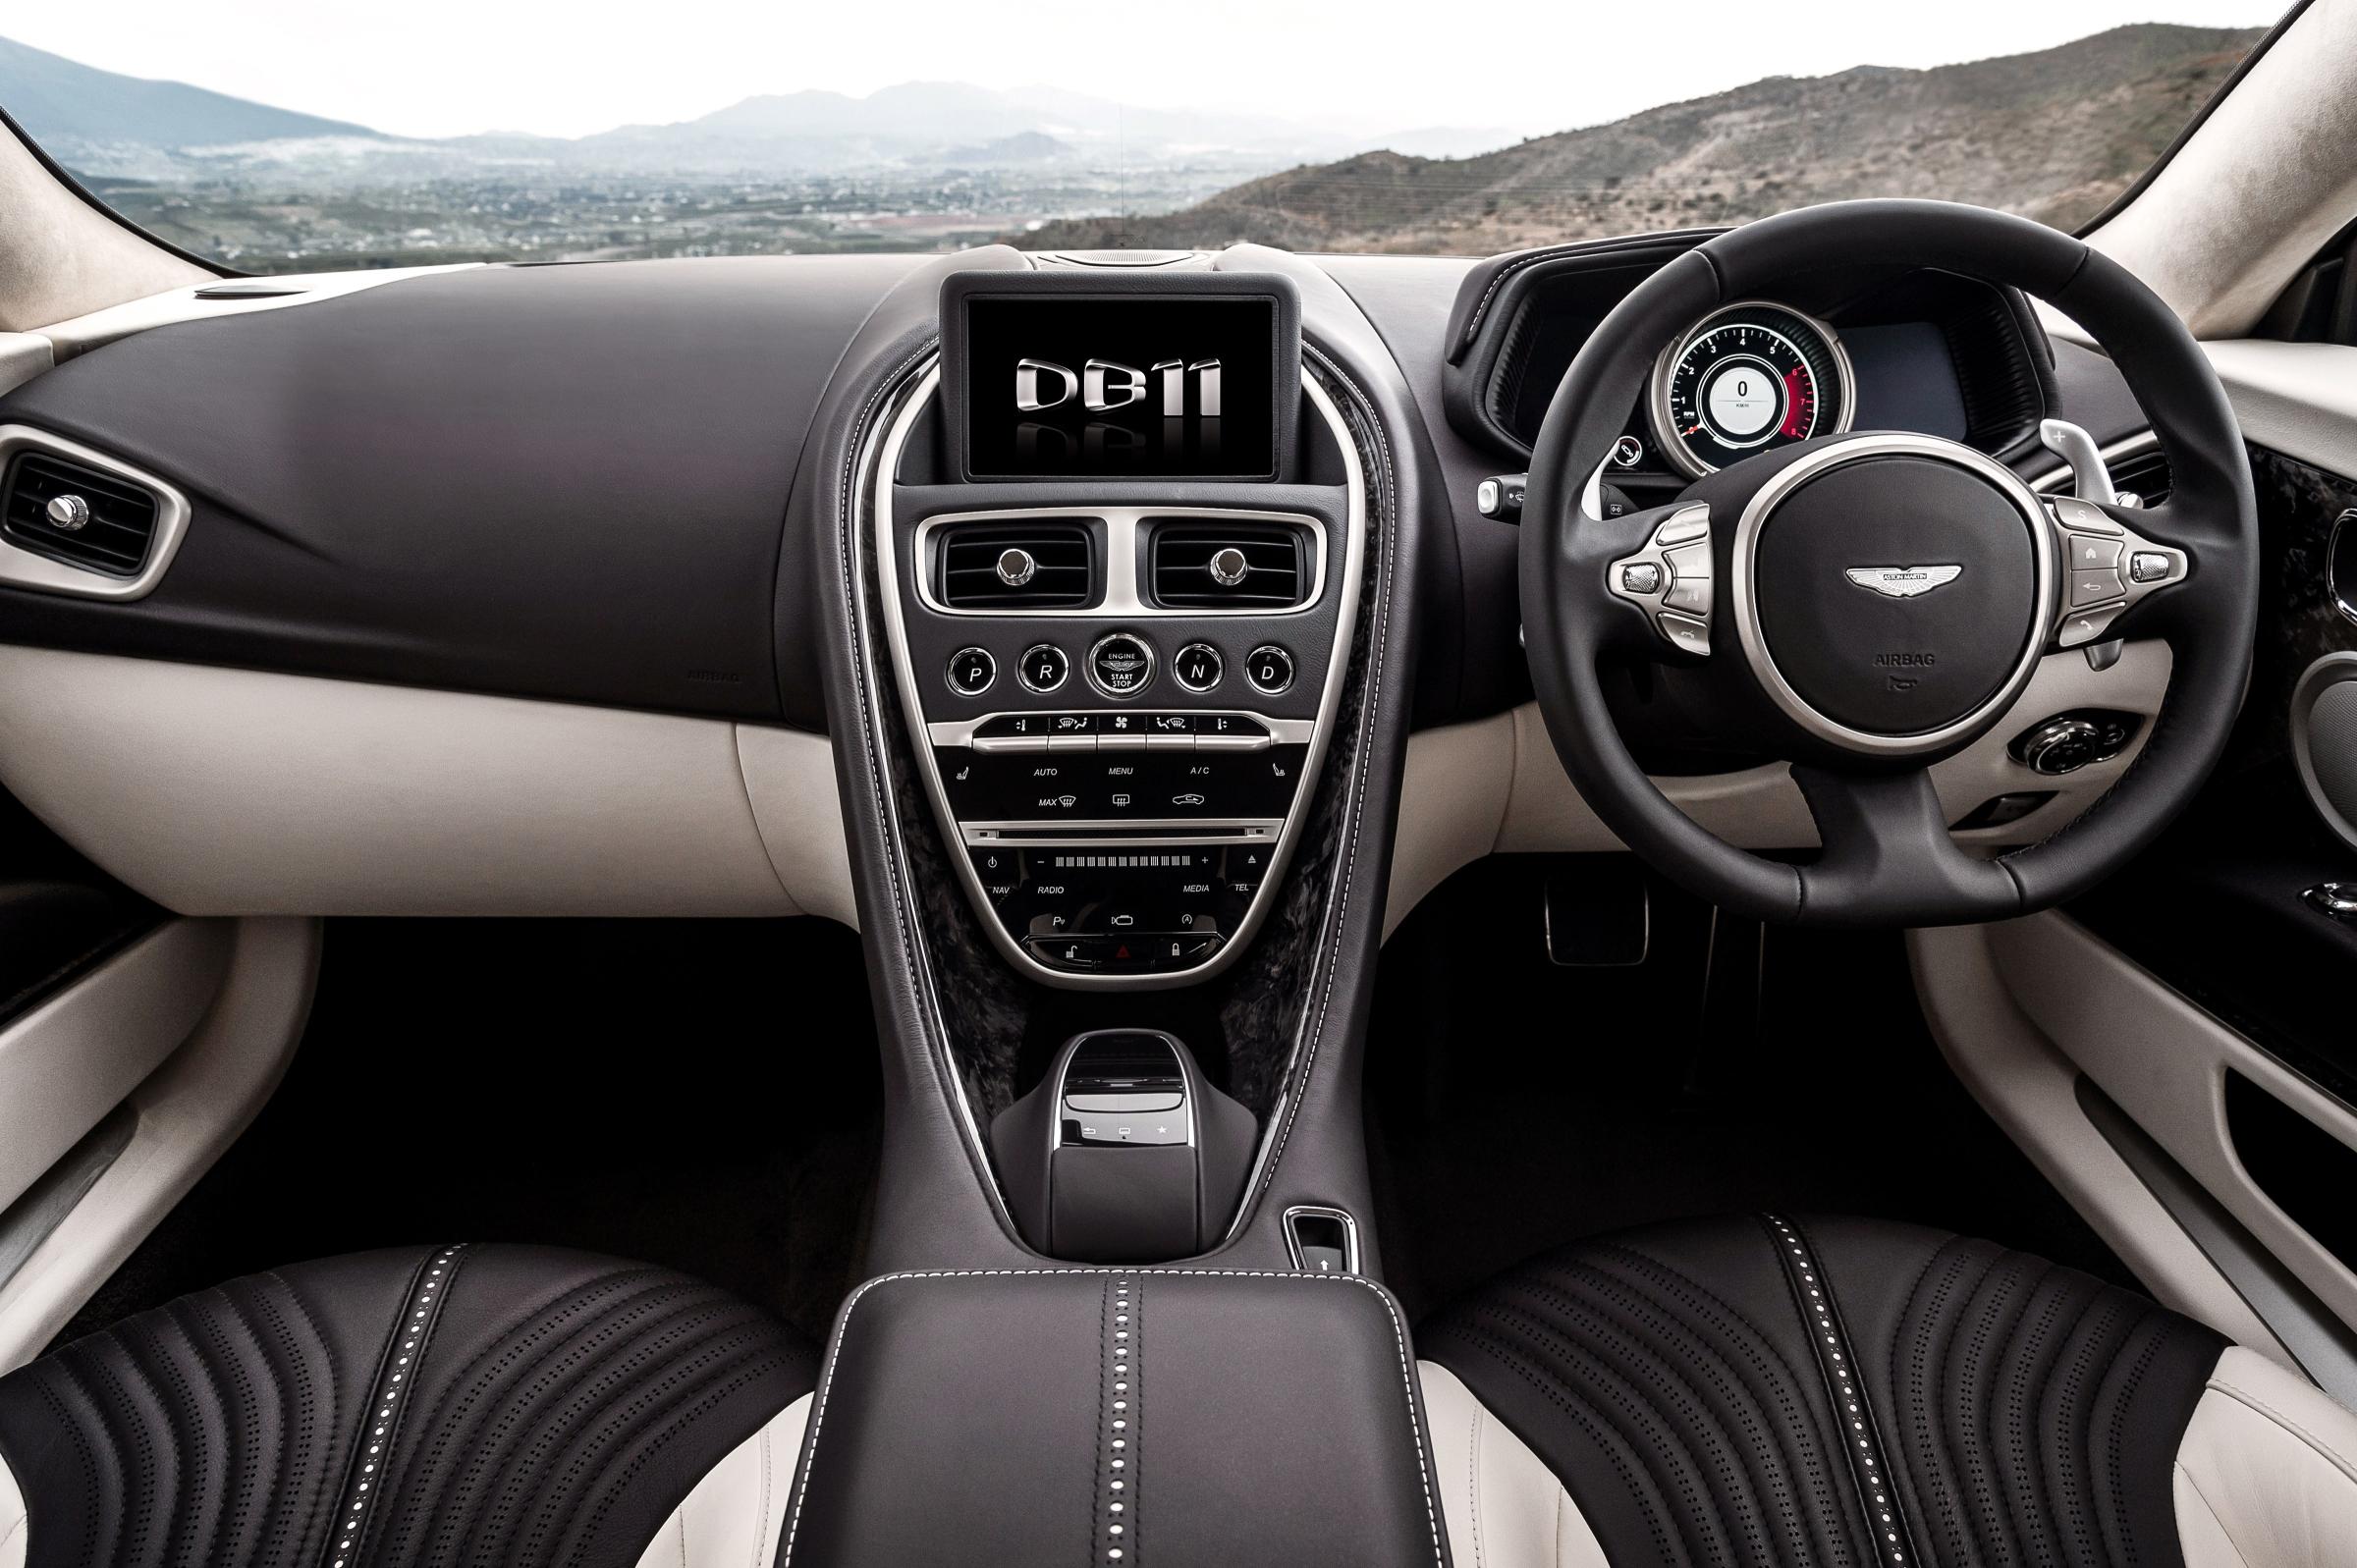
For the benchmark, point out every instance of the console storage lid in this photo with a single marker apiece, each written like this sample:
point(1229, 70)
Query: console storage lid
point(1124, 1418)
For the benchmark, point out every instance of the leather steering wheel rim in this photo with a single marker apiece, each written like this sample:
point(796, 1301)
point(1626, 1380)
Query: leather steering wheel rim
point(1879, 865)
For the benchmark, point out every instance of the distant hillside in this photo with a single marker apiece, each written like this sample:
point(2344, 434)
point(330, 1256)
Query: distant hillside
point(2051, 136)
point(66, 106)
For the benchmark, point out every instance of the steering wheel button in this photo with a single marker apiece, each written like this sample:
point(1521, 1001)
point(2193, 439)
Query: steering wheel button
point(1641, 576)
point(2084, 626)
point(2150, 565)
point(1693, 561)
point(2095, 587)
point(1692, 594)
point(2091, 554)
point(1693, 635)
point(1687, 526)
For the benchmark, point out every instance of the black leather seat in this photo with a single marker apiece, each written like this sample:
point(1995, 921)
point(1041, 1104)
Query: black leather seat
point(1766, 1391)
point(463, 1405)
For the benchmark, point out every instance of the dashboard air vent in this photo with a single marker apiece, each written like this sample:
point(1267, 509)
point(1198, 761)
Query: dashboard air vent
point(1043, 565)
point(76, 514)
point(2145, 473)
point(1242, 565)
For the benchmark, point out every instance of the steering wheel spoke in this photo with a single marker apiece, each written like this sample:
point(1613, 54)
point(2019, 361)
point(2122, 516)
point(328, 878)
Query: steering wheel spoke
point(2110, 568)
point(1666, 573)
point(1887, 857)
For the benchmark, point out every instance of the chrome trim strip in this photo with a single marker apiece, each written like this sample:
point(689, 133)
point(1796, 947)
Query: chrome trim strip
point(893, 580)
point(1122, 596)
point(1656, 392)
point(1161, 832)
point(1744, 592)
point(1282, 732)
point(23, 569)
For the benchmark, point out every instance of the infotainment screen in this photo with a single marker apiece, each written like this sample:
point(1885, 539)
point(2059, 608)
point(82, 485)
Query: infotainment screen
point(1051, 376)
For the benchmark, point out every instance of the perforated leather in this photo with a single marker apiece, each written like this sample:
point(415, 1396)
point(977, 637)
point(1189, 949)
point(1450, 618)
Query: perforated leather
point(473, 1405)
point(1685, 1385)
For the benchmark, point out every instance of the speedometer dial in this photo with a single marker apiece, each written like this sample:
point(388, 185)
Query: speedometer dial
point(1747, 379)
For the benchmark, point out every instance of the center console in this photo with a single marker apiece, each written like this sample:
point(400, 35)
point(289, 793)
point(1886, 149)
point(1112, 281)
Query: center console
point(1121, 573)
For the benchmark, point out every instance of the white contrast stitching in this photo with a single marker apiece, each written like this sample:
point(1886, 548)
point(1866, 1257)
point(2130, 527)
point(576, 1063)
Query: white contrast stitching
point(826, 1384)
point(396, 1378)
point(1297, 1090)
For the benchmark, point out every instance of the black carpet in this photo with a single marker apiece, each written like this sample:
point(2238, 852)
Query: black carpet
point(1515, 1106)
point(698, 1093)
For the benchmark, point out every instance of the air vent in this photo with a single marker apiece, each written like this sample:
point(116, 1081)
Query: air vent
point(1241, 565)
point(1015, 566)
point(2145, 473)
point(78, 515)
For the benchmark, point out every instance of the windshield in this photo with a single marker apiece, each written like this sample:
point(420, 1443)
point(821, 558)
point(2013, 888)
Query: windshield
point(337, 136)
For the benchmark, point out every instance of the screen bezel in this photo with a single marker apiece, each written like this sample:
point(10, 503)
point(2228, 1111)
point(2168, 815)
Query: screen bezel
point(960, 288)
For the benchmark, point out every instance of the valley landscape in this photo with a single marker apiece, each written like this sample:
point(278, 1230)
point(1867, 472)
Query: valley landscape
point(940, 166)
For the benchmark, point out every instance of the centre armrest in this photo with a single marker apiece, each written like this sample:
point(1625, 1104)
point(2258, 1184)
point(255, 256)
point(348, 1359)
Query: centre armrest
point(1156, 1417)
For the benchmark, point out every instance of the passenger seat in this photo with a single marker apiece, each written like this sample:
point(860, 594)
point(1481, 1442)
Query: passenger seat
point(459, 1405)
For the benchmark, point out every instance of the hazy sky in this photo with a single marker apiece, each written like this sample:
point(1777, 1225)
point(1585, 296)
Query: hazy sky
point(446, 67)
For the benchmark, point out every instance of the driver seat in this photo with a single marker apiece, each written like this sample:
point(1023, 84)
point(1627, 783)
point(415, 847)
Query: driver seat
point(1846, 1394)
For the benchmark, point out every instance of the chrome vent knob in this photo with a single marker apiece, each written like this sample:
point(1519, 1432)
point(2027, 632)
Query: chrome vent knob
point(1015, 567)
point(70, 513)
point(1228, 567)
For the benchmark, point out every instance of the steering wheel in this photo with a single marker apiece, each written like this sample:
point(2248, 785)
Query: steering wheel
point(1866, 605)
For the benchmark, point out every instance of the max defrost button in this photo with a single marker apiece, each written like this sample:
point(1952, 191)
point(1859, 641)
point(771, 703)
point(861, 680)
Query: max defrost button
point(971, 670)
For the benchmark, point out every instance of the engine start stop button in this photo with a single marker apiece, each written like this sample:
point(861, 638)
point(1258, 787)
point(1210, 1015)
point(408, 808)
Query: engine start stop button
point(1121, 664)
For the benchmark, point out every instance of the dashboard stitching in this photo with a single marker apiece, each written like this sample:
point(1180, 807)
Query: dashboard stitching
point(1415, 1426)
point(1388, 503)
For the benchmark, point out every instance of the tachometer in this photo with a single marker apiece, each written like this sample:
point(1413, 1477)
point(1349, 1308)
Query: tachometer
point(1746, 379)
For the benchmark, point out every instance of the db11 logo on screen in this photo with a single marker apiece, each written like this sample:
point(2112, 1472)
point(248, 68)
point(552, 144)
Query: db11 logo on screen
point(1145, 387)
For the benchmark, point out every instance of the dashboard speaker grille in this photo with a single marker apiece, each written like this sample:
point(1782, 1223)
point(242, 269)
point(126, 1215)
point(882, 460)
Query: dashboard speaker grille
point(1256, 566)
point(78, 515)
point(1017, 564)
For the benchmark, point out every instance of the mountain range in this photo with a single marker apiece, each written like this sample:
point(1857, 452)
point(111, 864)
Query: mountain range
point(2053, 135)
point(109, 125)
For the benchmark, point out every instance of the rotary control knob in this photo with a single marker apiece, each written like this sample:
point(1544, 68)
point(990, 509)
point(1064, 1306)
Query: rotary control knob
point(2061, 745)
point(71, 513)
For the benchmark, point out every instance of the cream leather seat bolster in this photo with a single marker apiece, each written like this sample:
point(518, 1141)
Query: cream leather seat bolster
point(734, 1514)
point(2266, 1476)
point(1505, 1509)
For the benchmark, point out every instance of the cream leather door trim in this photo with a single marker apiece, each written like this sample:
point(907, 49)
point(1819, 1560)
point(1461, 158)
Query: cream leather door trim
point(2028, 1084)
point(187, 1111)
point(72, 1059)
